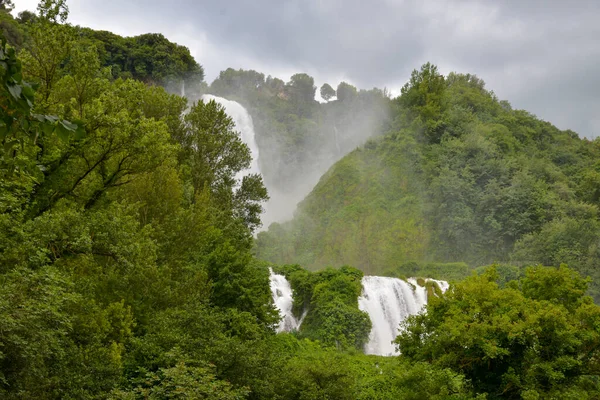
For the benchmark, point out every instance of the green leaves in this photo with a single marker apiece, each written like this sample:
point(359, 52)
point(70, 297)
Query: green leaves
point(15, 91)
point(64, 131)
point(18, 126)
point(331, 298)
point(530, 336)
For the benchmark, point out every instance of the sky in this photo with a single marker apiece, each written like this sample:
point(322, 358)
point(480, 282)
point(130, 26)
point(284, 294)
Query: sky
point(541, 56)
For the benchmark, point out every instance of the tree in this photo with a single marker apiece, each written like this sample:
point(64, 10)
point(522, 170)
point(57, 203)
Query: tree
point(54, 11)
point(424, 94)
point(216, 153)
point(20, 129)
point(213, 148)
point(26, 17)
point(301, 91)
point(238, 82)
point(181, 382)
point(49, 46)
point(535, 338)
point(302, 87)
point(346, 92)
point(327, 92)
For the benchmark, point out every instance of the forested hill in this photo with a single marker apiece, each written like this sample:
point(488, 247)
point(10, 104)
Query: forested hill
point(150, 57)
point(461, 177)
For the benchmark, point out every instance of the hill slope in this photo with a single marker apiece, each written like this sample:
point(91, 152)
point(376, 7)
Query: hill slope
point(461, 177)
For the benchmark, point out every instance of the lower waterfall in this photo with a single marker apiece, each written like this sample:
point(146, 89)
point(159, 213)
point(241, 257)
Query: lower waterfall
point(282, 297)
point(387, 301)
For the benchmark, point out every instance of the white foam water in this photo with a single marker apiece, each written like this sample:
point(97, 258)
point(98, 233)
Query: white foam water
point(389, 301)
point(283, 299)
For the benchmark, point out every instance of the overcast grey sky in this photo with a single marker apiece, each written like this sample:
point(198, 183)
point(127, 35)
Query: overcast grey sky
point(541, 56)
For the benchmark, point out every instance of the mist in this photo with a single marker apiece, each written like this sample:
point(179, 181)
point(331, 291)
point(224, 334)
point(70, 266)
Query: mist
point(298, 137)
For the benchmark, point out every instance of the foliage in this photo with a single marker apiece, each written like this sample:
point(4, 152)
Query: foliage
point(315, 373)
point(150, 57)
point(346, 92)
point(181, 382)
point(329, 299)
point(19, 127)
point(327, 92)
point(126, 236)
point(215, 154)
point(97, 266)
point(9, 27)
point(535, 338)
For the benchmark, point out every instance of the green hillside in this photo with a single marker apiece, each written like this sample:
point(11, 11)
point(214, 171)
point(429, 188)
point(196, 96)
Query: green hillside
point(461, 177)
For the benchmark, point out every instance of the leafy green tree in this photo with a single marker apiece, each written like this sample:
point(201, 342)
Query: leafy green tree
point(9, 27)
point(425, 94)
point(26, 17)
point(346, 92)
point(302, 87)
point(55, 342)
point(181, 382)
point(120, 143)
point(216, 154)
point(320, 375)
point(49, 46)
point(327, 92)
point(241, 82)
point(301, 91)
point(20, 129)
point(536, 338)
point(102, 274)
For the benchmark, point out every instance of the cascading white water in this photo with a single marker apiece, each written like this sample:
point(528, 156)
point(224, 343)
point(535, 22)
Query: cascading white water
point(243, 123)
point(389, 301)
point(282, 297)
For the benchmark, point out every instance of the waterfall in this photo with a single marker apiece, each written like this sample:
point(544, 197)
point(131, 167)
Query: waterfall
point(243, 123)
point(389, 301)
point(282, 297)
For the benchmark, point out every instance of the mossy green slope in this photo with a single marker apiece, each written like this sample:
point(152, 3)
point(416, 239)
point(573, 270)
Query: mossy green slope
point(366, 211)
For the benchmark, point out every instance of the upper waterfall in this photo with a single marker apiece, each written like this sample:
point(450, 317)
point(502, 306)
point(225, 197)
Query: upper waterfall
point(243, 123)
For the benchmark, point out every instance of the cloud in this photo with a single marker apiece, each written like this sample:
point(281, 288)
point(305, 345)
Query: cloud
point(539, 55)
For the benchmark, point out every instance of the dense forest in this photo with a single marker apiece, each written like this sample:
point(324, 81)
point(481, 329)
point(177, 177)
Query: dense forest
point(129, 267)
